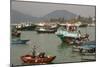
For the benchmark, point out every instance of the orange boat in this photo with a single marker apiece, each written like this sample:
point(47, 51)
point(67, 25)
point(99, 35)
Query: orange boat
point(29, 59)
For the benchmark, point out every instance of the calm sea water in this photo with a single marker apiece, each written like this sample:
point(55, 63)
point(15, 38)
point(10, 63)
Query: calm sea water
point(48, 43)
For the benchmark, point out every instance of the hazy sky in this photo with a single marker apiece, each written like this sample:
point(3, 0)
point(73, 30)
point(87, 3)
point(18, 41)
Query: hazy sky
point(41, 9)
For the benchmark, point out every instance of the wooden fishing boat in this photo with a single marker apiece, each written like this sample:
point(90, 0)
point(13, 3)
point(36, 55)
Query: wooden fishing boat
point(29, 59)
point(41, 58)
point(15, 33)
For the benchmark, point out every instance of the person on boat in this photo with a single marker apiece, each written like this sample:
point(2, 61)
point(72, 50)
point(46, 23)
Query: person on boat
point(34, 52)
point(12, 65)
point(18, 33)
point(81, 50)
point(87, 36)
point(92, 50)
point(42, 55)
point(79, 32)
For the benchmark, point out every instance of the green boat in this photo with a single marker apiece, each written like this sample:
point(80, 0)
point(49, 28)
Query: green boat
point(68, 34)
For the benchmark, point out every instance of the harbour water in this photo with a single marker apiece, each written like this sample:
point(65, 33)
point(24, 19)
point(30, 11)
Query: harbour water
point(49, 43)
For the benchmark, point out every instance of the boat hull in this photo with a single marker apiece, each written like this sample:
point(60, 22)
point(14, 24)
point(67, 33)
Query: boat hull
point(61, 37)
point(70, 40)
point(16, 34)
point(19, 42)
point(46, 31)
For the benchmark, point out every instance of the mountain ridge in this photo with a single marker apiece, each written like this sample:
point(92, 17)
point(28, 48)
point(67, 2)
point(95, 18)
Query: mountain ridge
point(17, 17)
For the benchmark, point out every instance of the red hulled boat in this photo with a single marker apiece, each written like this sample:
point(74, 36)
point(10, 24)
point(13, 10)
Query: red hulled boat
point(29, 59)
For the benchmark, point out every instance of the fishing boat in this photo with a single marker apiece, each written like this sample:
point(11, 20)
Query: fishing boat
point(19, 41)
point(70, 34)
point(41, 58)
point(16, 33)
point(27, 28)
point(88, 51)
point(45, 30)
point(86, 48)
point(83, 25)
point(29, 59)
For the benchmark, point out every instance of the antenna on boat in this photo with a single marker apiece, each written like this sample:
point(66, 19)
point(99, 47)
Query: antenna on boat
point(33, 47)
point(86, 28)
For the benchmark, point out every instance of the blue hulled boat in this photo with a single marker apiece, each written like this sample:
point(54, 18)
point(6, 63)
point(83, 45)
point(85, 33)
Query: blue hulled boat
point(88, 47)
point(19, 41)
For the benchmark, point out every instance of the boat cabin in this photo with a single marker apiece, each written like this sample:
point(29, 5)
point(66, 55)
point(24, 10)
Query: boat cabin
point(71, 27)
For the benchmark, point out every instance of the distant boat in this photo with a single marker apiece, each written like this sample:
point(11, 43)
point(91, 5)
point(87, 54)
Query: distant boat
point(92, 25)
point(83, 25)
point(46, 28)
point(43, 30)
point(15, 33)
point(27, 28)
point(19, 41)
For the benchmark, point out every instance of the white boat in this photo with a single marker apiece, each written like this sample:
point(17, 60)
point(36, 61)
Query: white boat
point(70, 33)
